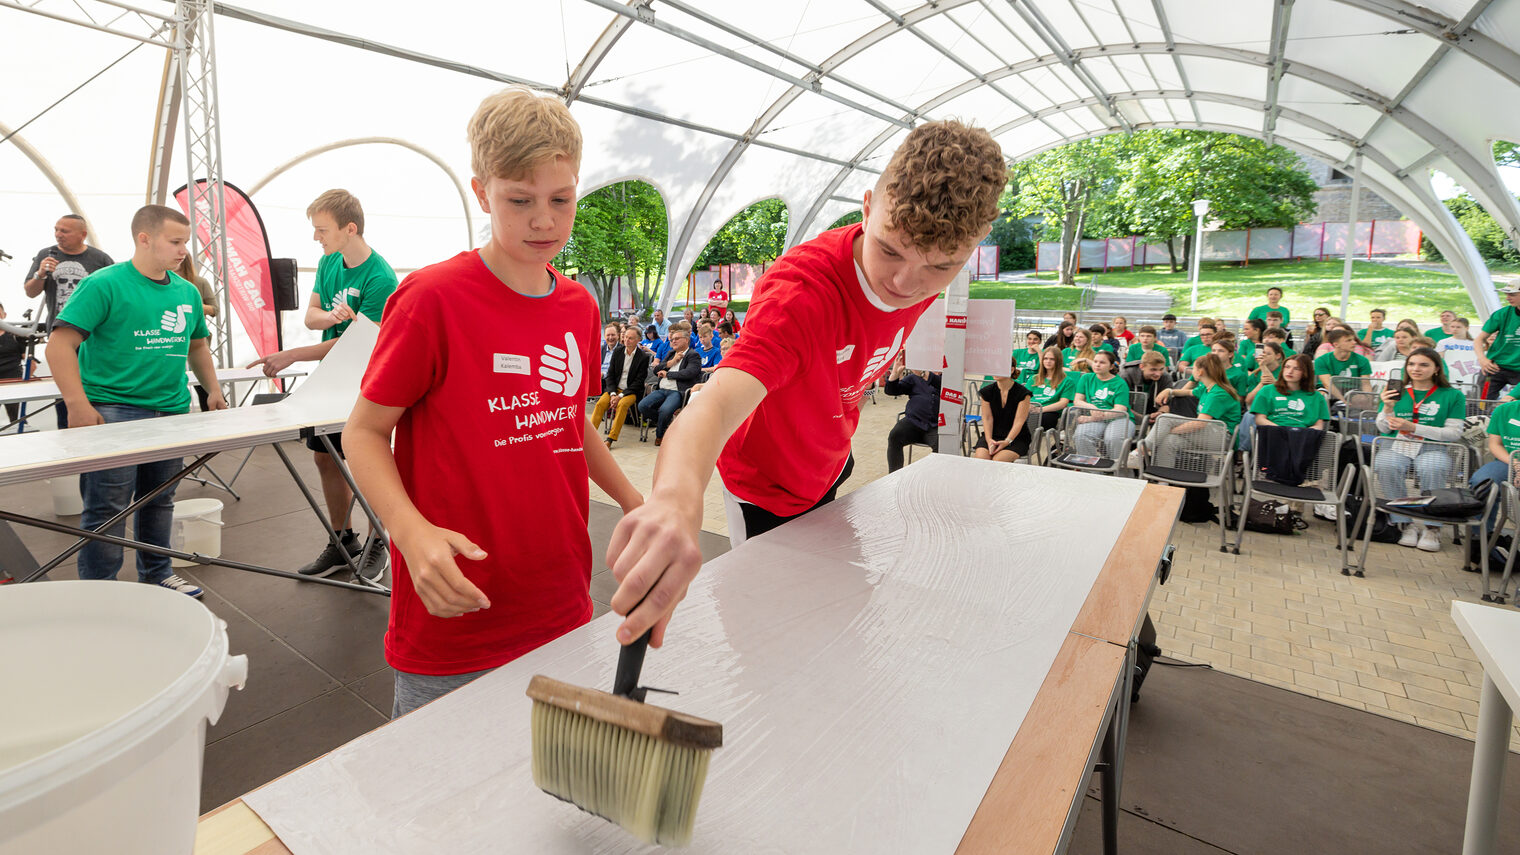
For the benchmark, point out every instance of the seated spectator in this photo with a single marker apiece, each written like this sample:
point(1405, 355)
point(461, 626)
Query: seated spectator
point(1104, 401)
point(1062, 337)
point(1198, 345)
point(1457, 353)
point(1291, 401)
point(1005, 420)
point(676, 372)
point(1198, 338)
point(1028, 357)
point(1426, 408)
point(612, 337)
point(1275, 321)
point(1278, 337)
point(1244, 351)
point(1069, 318)
point(1314, 331)
point(1375, 333)
point(651, 340)
point(1102, 338)
point(732, 320)
point(1252, 329)
point(708, 347)
point(1147, 344)
point(623, 383)
point(1052, 389)
point(689, 316)
point(1148, 377)
point(1445, 330)
point(1341, 362)
point(1120, 328)
point(1219, 399)
point(1169, 335)
point(1269, 363)
point(919, 424)
point(726, 337)
point(1503, 431)
point(1081, 347)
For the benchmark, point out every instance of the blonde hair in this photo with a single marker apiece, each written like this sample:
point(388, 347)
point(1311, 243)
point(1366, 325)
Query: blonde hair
point(1151, 357)
point(1055, 377)
point(342, 206)
point(514, 130)
point(942, 185)
point(1214, 368)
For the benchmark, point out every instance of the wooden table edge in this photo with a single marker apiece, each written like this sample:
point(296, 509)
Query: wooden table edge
point(1116, 605)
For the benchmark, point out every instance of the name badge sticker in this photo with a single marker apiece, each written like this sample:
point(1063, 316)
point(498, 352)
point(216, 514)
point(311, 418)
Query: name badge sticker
point(511, 363)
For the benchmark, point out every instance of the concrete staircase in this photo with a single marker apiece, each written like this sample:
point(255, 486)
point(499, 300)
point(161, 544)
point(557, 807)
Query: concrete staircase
point(1131, 301)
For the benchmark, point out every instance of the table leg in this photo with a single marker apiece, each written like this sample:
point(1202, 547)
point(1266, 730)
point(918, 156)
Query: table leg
point(1494, 717)
point(1110, 776)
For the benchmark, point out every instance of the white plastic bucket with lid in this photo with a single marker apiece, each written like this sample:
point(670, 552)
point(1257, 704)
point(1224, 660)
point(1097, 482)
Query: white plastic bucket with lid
point(197, 528)
point(109, 687)
point(67, 501)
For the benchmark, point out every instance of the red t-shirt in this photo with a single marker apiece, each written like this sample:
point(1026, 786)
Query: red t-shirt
point(495, 385)
point(1129, 337)
point(817, 343)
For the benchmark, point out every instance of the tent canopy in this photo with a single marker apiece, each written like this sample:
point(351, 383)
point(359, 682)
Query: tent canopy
point(721, 104)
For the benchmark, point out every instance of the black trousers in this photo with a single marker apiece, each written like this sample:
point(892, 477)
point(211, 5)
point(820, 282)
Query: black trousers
point(904, 434)
point(1495, 383)
point(758, 520)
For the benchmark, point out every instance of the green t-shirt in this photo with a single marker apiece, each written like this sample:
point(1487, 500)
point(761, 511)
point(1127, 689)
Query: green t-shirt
point(1245, 356)
point(137, 337)
point(1137, 350)
point(1295, 409)
point(1504, 341)
point(1028, 362)
point(1239, 378)
point(1043, 395)
point(1436, 407)
point(1254, 379)
point(1437, 334)
point(1504, 423)
point(364, 288)
point(1260, 313)
point(1377, 337)
point(1191, 353)
point(1106, 394)
point(1356, 365)
point(1217, 403)
point(1192, 340)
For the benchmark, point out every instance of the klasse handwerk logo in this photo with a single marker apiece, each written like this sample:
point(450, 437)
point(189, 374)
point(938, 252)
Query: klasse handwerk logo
point(175, 320)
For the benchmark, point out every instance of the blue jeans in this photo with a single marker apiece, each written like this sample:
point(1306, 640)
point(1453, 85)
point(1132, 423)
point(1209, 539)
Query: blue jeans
point(661, 403)
point(108, 492)
point(1431, 469)
point(1496, 471)
point(1110, 434)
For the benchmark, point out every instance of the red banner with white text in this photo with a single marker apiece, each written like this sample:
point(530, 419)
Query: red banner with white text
point(250, 288)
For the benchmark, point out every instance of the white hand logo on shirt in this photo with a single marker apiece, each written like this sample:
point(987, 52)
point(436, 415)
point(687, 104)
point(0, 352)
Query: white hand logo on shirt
point(561, 369)
point(173, 321)
point(341, 298)
point(881, 357)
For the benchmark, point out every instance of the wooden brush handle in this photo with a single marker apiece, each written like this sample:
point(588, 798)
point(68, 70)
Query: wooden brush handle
point(630, 663)
point(658, 722)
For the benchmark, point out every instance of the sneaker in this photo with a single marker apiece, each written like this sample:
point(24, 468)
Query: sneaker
point(1325, 512)
point(175, 583)
point(329, 561)
point(1134, 459)
point(1430, 538)
point(1411, 535)
point(377, 557)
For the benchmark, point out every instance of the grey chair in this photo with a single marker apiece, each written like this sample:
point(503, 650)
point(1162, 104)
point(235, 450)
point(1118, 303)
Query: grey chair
point(1324, 484)
point(1188, 452)
point(1454, 457)
point(1105, 455)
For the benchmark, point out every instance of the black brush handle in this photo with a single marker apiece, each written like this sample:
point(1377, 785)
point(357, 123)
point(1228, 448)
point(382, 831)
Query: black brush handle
point(630, 663)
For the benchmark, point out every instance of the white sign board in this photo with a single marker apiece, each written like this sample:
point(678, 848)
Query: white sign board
point(989, 338)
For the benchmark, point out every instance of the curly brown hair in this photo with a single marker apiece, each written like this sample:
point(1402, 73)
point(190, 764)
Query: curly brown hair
point(943, 183)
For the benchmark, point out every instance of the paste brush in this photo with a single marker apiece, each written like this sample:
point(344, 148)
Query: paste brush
point(612, 755)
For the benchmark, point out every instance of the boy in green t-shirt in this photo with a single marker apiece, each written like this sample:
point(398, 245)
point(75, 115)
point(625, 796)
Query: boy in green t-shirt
point(1197, 345)
point(352, 279)
point(1375, 333)
point(1147, 344)
point(118, 354)
point(1342, 361)
point(1503, 431)
point(1498, 346)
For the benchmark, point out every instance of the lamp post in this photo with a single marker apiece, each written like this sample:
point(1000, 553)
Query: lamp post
point(1200, 210)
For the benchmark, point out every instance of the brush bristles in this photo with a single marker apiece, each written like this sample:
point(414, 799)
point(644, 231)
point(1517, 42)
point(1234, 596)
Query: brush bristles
point(648, 786)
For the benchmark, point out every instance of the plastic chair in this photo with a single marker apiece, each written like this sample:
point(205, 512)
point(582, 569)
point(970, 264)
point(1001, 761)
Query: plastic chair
point(1457, 458)
point(1196, 457)
point(1110, 456)
point(1323, 484)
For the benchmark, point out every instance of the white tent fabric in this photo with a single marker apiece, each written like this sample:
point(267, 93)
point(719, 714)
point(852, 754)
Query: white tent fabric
point(720, 104)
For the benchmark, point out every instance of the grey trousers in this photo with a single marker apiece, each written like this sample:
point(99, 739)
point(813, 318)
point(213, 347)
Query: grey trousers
point(414, 690)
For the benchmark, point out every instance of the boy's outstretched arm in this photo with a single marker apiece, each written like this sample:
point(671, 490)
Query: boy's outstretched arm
point(654, 553)
point(429, 550)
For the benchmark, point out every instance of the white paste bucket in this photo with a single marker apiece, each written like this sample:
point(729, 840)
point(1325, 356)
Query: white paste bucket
point(109, 687)
point(67, 502)
point(197, 528)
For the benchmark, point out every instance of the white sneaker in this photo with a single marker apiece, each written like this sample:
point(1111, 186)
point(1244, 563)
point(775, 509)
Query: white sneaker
point(1411, 535)
point(1430, 537)
point(175, 583)
point(1325, 512)
point(1134, 459)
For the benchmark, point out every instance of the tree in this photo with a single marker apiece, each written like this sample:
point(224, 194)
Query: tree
point(847, 219)
point(755, 235)
point(1065, 185)
point(1011, 235)
point(1487, 235)
point(620, 230)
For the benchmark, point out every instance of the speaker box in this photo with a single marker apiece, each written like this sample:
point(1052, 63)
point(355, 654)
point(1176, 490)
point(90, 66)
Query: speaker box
point(282, 272)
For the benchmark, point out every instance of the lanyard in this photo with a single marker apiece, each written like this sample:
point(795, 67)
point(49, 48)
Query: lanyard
point(1415, 416)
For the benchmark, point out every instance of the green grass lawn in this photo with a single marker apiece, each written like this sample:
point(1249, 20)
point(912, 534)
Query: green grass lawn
point(1232, 291)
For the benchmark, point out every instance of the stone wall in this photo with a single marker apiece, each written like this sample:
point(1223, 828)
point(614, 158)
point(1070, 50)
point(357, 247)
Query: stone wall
point(1334, 197)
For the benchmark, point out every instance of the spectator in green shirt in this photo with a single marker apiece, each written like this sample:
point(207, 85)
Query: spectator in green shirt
point(1028, 359)
point(1292, 400)
point(1498, 346)
point(118, 353)
point(1427, 407)
point(1105, 414)
point(1273, 304)
point(1198, 345)
point(1147, 344)
point(1375, 333)
point(1342, 362)
point(1278, 337)
point(1436, 334)
point(1503, 431)
point(1052, 389)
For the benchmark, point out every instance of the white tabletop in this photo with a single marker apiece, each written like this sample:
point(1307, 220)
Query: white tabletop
point(870, 663)
point(1493, 632)
point(46, 390)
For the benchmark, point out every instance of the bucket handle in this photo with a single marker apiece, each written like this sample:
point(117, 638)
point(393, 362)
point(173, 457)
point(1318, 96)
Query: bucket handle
point(234, 672)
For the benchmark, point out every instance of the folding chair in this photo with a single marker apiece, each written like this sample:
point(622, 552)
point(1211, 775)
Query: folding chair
point(1088, 449)
point(1196, 457)
point(1455, 458)
point(1324, 484)
point(1509, 515)
point(1036, 437)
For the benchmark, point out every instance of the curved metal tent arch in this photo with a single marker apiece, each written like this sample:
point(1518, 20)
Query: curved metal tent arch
point(464, 195)
point(47, 170)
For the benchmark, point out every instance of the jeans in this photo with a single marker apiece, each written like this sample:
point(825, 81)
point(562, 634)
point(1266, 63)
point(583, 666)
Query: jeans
point(1431, 469)
point(108, 492)
point(661, 404)
point(1110, 433)
point(1497, 472)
